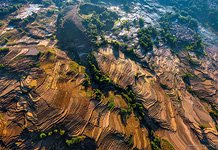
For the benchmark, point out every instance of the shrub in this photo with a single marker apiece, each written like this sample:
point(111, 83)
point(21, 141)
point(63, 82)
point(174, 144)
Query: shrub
point(2, 66)
point(97, 74)
point(75, 140)
point(42, 135)
point(98, 94)
point(125, 113)
point(158, 143)
point(118, 45)
point(111, 105)
point(141, 22)
point(202, 126)
point(4, 49)
point(50, 133)
point(130, 140)
point(155, 143)
point(14, 21)
point(166, 145)
point(86, 83)
point(145, 39)
point(1, 24)
point(214, 113)
point(9, 9)
point(61, 132)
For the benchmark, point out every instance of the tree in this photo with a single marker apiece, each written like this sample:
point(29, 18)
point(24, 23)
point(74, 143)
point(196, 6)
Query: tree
point(141, 22)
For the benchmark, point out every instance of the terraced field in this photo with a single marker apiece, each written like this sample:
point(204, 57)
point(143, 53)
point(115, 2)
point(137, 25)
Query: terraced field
point(106, 75)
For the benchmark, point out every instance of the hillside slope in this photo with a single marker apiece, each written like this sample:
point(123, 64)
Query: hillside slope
point(106, 75)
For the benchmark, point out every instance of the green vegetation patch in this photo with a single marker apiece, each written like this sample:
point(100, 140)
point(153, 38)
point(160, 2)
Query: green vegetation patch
point(42, 135)
point(99, 21)
point(61, 135)
point(97, 75)
point(161, 144)
point(23, 22)
point(202, 10)
point(75, 67)
point(47, 54)
point(146, 36)
point(1, 23)
point(111, 105)
point(75, 140)
point(2, 66)
point(180, 33)
point(9, 9)
point(104, 81)
point(4, 51)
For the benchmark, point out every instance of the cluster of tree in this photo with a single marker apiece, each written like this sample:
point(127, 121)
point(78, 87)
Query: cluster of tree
point(196, 47)
point(125, 113)
point(176, 44)
point(125, 3)
point(42, 2)
point(173, 41)
point(180, 18)
point(99, 23)
point(75, 140)
point(60, 132)
point(98, 95)
point(168, 38)
point(111, 105)
point(87, 9)
point(23, 22)
point(58, 3)
point(2, 66)
point(45, 3)
point(214, 113)
point(9, 9)
point(118, 45)
point(50, 12)
point(58, 138)
point(204, 11)
point(158, 143)
point(133, 104)
point(4, 38)
point(1, 23)
point(4, 50)
point(141, 22)
point(145, 38)
point(97, 75)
